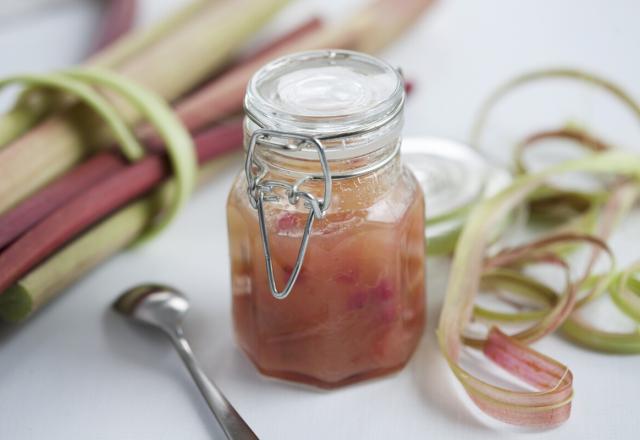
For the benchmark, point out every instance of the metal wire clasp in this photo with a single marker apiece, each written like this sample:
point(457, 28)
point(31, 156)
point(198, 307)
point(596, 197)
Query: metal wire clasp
point(260, 191)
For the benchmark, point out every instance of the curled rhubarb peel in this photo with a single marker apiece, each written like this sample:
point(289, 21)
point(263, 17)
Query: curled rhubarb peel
point(573, 210)
point(565, 300)
point(582, 332)
point(624, 290)
point(551, 404)
point(546, 74)
point(575, 327)
point(551, 203)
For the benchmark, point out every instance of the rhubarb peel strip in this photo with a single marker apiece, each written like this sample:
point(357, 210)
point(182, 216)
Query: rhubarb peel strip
point(129, 145)
point(551, 404)
point(545, 74)
point(622, 287)
point(503, 270)
point(177, 140)
point(626, 291)
point(550, 202)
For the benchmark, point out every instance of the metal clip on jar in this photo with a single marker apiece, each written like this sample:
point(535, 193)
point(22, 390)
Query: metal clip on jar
point(326, 226)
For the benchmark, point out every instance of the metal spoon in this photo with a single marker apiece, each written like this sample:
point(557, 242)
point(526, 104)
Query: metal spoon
point(164, 307)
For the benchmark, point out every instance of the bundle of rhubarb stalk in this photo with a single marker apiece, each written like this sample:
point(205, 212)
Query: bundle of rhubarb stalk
point(97, 157)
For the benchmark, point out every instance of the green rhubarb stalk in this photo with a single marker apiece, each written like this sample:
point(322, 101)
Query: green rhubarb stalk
point(170, 67)
point(42, 284)
point(102, 241)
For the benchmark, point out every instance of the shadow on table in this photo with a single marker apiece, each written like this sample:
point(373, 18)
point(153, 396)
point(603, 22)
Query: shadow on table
point(430, 369)
point(6, 330)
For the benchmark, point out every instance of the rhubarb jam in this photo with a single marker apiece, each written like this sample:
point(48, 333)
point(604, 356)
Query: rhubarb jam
point(357, 306)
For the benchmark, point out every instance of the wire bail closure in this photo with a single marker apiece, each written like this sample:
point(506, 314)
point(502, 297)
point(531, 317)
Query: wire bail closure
point(260, 191)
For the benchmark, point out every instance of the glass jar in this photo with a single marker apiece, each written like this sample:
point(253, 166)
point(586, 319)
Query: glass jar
point(326, 225)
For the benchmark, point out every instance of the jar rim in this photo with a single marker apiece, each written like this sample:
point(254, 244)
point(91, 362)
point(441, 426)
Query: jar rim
point(363, 93)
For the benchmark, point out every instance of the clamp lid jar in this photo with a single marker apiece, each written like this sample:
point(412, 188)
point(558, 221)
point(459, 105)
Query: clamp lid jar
point(326, 226)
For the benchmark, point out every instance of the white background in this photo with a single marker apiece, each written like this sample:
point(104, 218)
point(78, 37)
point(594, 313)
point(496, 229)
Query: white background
point(77, 371)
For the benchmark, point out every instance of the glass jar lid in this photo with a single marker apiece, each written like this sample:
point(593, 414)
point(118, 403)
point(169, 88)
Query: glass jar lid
point(326, 94)
point(454, 178)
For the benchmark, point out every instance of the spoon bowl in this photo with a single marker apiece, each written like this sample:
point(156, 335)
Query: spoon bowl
point(154, 304)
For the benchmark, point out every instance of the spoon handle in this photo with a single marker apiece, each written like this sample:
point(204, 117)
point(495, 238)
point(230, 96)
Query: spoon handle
point(232, 424)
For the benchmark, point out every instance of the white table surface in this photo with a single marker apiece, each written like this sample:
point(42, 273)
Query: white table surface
point(77, 371)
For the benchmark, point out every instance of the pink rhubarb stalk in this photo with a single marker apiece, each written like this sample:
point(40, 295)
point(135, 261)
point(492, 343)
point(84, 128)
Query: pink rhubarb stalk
point(118, 18)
